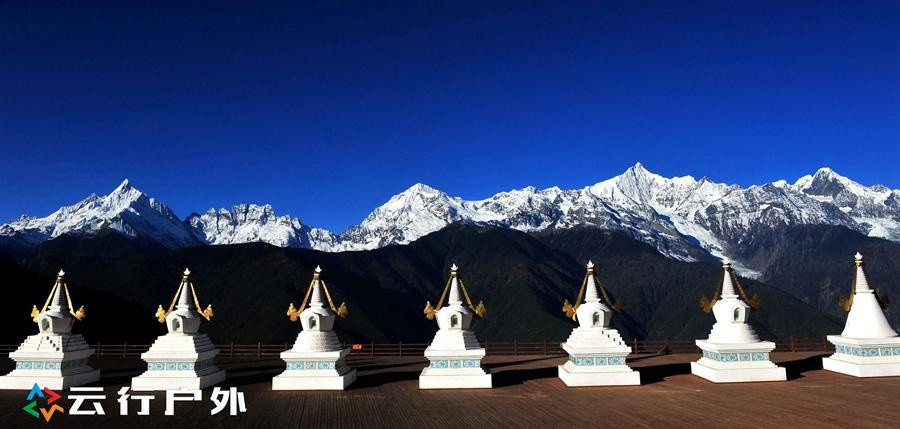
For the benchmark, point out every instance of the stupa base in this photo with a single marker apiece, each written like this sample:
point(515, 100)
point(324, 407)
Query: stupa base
point(25, 380)
point(307, 370)
point(290, 380)
point(738, 375)
point(55, 361)
point(432, 378)
point(149, 381)
point(878, 357)
point(455, 369)
point(179, 361)
point(619, 377)
point(885, 369)
point(600, 363)
point(737, 363)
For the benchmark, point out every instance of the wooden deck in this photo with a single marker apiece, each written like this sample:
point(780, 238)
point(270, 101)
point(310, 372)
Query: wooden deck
point(527, 393)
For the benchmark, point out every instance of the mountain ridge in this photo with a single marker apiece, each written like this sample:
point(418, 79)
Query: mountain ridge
point(682, 217)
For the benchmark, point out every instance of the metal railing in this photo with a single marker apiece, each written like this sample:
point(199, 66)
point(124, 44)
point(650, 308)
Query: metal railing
point(400, 349)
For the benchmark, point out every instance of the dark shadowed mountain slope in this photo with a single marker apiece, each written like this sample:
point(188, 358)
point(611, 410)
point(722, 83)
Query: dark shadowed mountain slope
point(815, 264)
point(250, 285)
point(14, 248)
point(108, 315)
point(522, 279)
point(663, 294)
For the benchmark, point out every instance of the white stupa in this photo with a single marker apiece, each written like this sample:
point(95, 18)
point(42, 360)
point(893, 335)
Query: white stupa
point(454, 355)
point(316, 362)
point(54, 358)
point(733, 352)
point(596, 352)
point(182, 358)
point(868, 347)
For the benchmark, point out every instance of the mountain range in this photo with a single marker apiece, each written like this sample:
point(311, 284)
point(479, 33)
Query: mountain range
point(683, 218)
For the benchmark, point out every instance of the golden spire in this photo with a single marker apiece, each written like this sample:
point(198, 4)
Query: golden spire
point(55, 299)
point(453, 286)
point(588, 291)
point(726, 288)
point(341, 311)
point(185, 295)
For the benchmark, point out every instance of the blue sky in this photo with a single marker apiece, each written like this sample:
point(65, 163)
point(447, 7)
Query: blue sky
point(326, 111)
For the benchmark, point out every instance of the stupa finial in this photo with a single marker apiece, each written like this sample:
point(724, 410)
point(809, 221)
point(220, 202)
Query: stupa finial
point(187, 272)
point(61, 273)
point(728, 290)
point(861, 280)
point(315, 299)
point(590, 289)
point(184, 294)
point(58, 299)
point(454, 296)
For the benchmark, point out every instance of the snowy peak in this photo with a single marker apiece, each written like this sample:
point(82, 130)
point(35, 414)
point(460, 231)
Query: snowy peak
point(126, 210)
point(417, 211)
point(416, 196)
point(249, 223)
point(825, 183)
point(637, 185)
point(124, 187)
point(420, 188)
point(875, 209)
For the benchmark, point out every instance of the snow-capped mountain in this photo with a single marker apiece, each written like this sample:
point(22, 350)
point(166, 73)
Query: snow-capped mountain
point(126, 210)
point(247, 223)
point(684, 218)
point(407, 216)
point(876, 208)
point(421, 209)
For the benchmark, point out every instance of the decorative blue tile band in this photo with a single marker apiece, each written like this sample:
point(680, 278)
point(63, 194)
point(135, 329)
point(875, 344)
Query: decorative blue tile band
point(309, 365)
point(597, 360)
point(455, 363)
point(867, 351)
point(736, 357)
point(178, 366)
point(52, 366)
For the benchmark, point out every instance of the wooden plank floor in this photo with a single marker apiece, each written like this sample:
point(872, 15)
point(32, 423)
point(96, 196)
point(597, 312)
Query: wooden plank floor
point(527, 394)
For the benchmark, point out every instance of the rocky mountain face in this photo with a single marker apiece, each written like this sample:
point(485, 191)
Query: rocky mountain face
point(683, 218)
point(251, 223)
point(875, 209)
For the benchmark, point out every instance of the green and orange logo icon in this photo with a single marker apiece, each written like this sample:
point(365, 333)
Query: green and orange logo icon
point(49, 396)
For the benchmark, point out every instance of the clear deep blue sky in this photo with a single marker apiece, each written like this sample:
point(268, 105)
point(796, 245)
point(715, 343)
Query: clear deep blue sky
point(326, 111)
